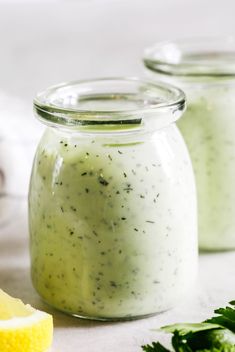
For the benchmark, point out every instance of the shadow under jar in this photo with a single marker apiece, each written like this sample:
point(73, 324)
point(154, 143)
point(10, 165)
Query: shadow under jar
point(112, 209)
point(205, 70)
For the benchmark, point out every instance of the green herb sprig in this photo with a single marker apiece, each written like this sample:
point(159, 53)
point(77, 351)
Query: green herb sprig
point(216, 334)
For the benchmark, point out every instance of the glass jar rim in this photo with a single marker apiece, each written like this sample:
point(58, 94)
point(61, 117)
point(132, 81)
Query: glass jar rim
point(99, 101)
point(196, 57)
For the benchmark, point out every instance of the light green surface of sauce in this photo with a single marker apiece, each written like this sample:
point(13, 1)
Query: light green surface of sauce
point(113, 223)
point(208, 127)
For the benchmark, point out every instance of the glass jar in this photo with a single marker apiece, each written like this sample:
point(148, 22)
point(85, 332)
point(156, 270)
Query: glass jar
point(205, 70)
point(112, 209)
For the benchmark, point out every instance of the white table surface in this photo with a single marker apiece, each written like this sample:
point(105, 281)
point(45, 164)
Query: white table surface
point(45, 43)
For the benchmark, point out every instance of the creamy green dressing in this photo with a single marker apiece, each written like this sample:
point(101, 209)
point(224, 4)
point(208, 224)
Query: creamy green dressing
point(112, 222)
point(208, 127)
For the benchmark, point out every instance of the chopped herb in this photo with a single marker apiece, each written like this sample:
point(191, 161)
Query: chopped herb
point(120, 152)
point(87, 190)
point(150, 222)
point(84, 173)
point(128, 189)
point(125, 175)
point(102, 181)
point(110, 158)
point(113, 284)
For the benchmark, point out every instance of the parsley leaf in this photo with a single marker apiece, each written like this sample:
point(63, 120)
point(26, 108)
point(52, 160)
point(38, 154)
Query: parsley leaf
point(155, 347)
point(225, 318)
point(216, 334)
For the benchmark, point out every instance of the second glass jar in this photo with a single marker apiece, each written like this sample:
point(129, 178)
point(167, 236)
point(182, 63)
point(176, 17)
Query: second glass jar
point(205, 70)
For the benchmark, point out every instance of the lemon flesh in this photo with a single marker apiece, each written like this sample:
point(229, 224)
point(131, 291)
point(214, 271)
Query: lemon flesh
point(23, 328)
point(12, 307)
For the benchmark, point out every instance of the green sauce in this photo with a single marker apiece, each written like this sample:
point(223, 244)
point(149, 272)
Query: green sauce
point(107, 236)
point(208, 127)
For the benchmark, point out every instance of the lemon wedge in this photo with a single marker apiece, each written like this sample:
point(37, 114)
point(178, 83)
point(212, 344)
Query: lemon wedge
point(23, 328)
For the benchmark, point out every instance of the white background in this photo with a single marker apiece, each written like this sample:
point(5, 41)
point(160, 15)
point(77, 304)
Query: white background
point(47, 42)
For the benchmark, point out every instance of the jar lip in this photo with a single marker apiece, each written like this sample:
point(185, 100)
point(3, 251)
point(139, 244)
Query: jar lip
point(82, 102)
point(195, 57)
